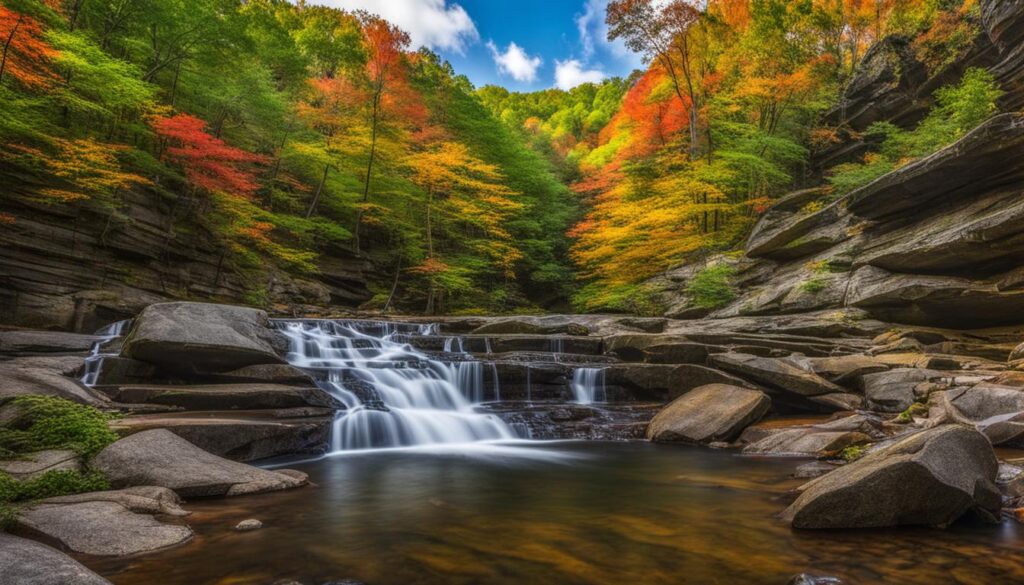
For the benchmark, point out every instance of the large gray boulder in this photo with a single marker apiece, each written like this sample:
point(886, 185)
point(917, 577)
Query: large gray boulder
point(716, 412)
point(25, 562)
point(161, 458)
point(775, 373)
point(117, 523)
point(895, 390)
point(929, 478)
point(201, 337)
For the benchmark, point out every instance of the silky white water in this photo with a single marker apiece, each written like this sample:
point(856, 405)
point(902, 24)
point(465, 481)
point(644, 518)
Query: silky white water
point(588, 385)
point(94, 363)
point(395, 395)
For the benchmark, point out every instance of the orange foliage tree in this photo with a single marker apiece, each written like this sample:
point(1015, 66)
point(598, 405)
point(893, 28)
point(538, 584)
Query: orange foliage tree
point(26, 53)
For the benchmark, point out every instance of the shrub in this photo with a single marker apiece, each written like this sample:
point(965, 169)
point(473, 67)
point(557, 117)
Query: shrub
point(853, 453)
point(711, 287)
point(813, 285)
point(48, 422)
point(958, 110)
point(63, 482)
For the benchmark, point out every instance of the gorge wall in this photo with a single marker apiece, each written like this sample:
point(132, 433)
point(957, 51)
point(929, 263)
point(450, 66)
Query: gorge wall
point(937, 242)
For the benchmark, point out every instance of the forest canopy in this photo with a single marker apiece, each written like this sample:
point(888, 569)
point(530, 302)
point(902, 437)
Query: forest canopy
point(287, 131)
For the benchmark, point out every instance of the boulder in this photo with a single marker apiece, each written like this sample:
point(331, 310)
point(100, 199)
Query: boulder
point(844, 369)
point(268, 373)
point(715, 412)
point(159, 457)
point(895, 390)
point(996, 410)
point(775, 373)
point(109, 523)
point(36, 464)
point(806, 441)
point(201, 337)
point(48, 376)
point(25, 562)
point(930, 478)
point(243, 436)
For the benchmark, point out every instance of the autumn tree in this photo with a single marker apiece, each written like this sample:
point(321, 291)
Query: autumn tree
point(462, 190)
point(665, 35)
point(25, 53)
point(208, 162)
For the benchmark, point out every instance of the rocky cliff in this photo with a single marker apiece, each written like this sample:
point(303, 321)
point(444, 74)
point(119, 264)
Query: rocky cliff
point(75, 268)
point(937, 242)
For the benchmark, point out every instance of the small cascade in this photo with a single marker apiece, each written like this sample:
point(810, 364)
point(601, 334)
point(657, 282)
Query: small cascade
point(396, 395)
point(588, 385)
point(557, 345)
point(497, 383)
point(94, 363)
point(453, 345)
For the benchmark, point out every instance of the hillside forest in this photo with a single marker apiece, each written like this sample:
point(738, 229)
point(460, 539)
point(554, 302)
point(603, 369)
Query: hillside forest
point(330, 132)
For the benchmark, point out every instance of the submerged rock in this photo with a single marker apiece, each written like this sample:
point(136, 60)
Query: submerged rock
point(715, 412)
point(25, 562)
point(930, 478)
point(201, 337)
point(159, 457)
point(249, 524)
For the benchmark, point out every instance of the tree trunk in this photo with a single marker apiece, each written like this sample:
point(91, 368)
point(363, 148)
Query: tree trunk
point(369, 168)
point(319, 190)
point(7, 45)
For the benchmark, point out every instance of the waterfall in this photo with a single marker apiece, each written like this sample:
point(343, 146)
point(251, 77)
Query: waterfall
point(396, 395)
point(94, 362)
point(588, 385)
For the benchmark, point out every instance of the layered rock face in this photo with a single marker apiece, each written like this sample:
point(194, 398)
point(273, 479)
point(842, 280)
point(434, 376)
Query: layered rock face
point(75, 269)
point(937, 242)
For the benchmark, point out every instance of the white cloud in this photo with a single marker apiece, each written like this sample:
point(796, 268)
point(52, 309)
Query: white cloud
point(436, 24)
point(515, 62)
point(594, 34)
point(570, 73)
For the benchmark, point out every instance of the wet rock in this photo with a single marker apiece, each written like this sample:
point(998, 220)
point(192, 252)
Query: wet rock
point(201, 337)
point(997, 411)
point(25, 562)
point(146, 499)
point(808, 579)
point(48, 376)
point(101, 527)
point(267, 373)
point(895, 390)
point(248, 525)
point(37, 464)
point(225, 396)
point(159, 457)
point(716, 412)
point(813, 469)
point(930, 478)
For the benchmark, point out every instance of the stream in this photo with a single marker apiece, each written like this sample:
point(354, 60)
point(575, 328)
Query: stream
point(425, 484)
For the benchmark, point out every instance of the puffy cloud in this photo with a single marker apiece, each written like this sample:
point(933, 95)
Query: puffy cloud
point(515, 62)
point(593, 34)
point(570, 73)
point(436, 24)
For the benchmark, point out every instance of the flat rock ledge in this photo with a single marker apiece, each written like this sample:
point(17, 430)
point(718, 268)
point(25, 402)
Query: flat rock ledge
point(715, 412)
point(26, 562)
point(159, 457)
point(929, 478)
point(111, 523)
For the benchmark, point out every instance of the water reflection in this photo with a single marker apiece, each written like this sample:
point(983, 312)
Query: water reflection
point(620, 513)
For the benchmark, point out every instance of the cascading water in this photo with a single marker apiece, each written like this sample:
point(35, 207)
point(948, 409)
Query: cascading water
point(588, 385)
point(94, 362)
point(395, 395)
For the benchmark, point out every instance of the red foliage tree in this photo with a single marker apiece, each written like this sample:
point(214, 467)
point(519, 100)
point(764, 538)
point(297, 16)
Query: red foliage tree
point(209, 163)
point(25, 52)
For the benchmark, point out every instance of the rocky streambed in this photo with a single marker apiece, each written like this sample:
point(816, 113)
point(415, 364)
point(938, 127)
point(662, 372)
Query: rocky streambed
point(733, 438)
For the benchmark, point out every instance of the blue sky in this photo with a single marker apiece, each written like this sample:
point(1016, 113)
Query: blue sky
point(523, 45)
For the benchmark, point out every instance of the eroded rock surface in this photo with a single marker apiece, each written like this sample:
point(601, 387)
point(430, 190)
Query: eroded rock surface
point(716, 412)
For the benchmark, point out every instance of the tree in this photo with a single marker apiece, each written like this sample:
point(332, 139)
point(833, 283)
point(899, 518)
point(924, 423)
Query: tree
point(462, 190)
point(209, 163)
point(26, 53)
point(663, 34)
